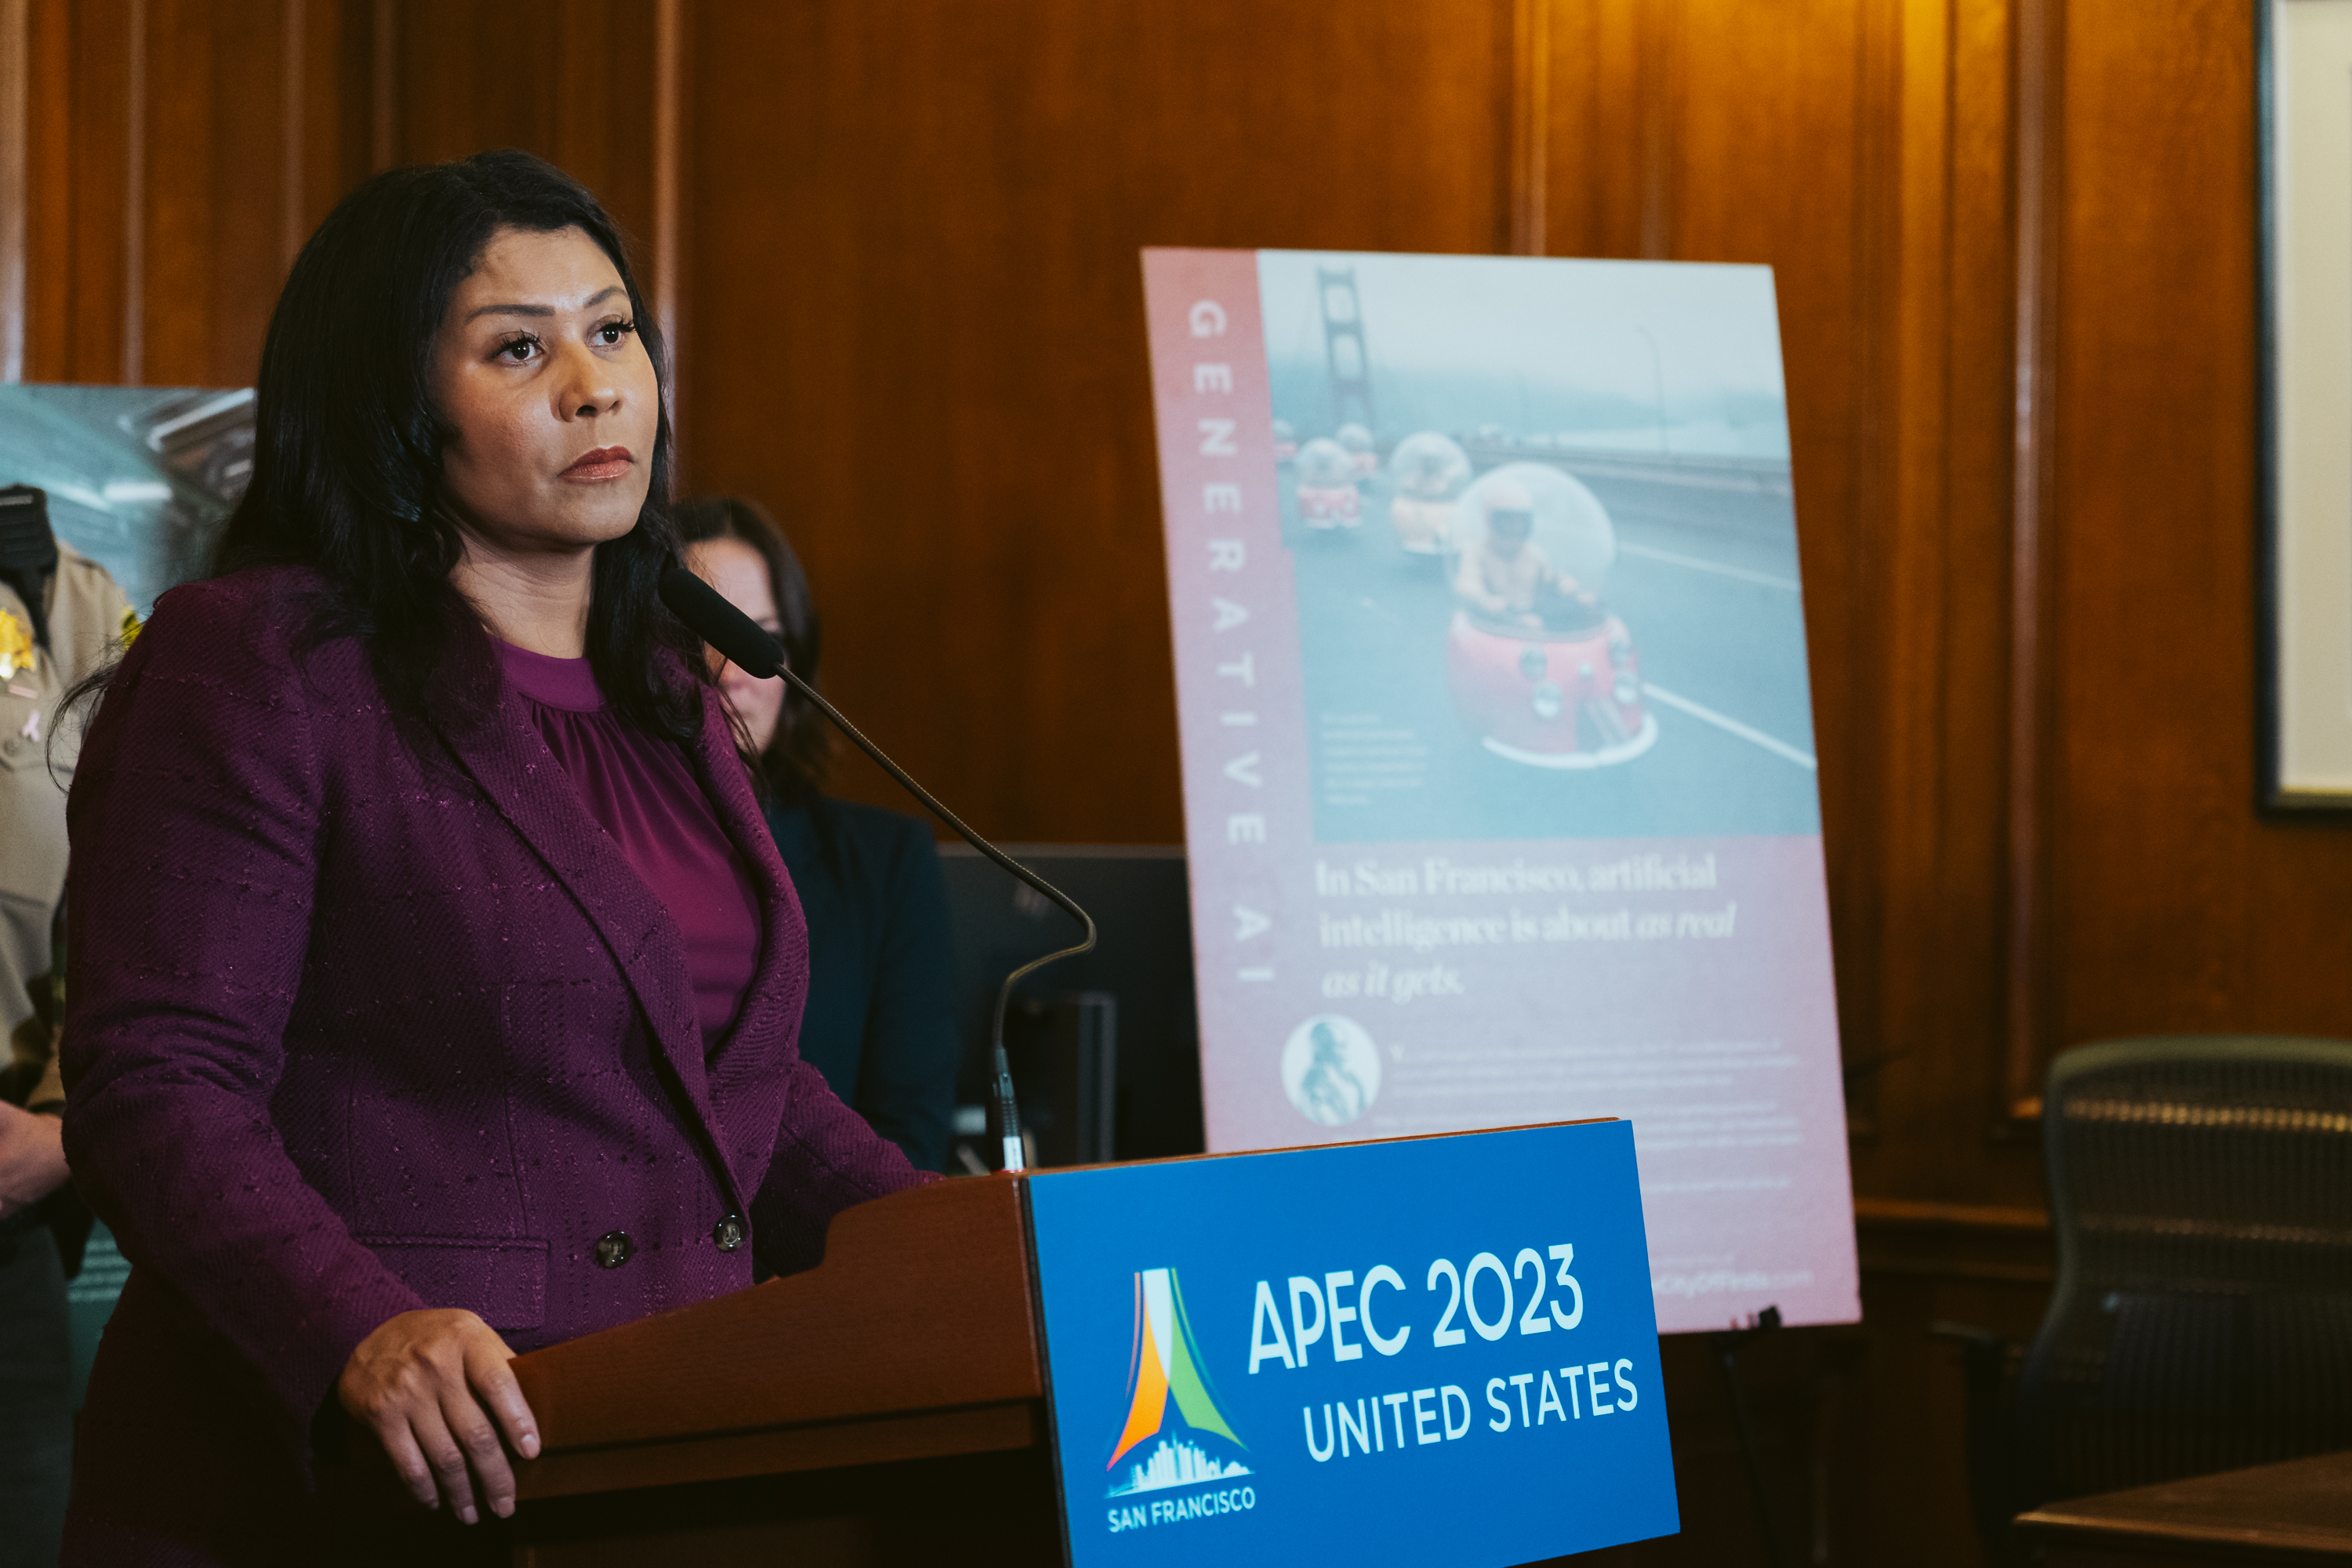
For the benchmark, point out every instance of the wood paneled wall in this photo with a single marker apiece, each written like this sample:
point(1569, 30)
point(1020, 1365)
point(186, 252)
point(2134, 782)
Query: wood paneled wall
point(2173, 906)
point(2014, 251)
point(916, 301)
point(178, 152)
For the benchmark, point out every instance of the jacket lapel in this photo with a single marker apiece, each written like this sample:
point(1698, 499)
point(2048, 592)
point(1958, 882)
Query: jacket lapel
point(506, 756)
point(767, 1024)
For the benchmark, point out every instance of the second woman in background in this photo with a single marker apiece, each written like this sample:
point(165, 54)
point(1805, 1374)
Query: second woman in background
point(880, 1022)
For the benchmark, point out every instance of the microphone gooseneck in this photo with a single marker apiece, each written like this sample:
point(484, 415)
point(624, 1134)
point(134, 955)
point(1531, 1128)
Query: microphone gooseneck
point(738, 638)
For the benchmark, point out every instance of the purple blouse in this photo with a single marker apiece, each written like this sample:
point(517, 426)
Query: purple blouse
point(642, 790)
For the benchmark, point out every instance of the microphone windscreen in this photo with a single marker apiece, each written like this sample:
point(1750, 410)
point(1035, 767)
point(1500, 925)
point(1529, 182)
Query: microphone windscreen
point(707, 614)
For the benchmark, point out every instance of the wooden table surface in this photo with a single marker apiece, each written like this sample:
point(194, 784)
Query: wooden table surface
point(2300, 1513)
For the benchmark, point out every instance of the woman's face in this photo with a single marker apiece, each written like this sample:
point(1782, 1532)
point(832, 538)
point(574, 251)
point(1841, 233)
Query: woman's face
point(740, 574)
point(538, 370)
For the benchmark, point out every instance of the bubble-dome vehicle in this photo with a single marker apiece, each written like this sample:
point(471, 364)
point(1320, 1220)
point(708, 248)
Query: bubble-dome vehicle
point(1430, 471)
point(1358, 443)
point(1541, 670)
point(1327, 485)
point(1286, 441)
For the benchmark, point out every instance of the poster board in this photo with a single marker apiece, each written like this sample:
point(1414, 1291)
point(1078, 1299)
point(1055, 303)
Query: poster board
point(1499, 780)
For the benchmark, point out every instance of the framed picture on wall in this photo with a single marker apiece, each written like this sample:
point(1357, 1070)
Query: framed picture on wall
point(2304, 53)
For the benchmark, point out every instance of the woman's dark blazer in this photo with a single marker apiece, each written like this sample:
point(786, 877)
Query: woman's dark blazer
point(880, 1022)
point(366, 1017)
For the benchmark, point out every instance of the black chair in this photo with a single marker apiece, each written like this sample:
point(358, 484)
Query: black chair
point(2200, 1188)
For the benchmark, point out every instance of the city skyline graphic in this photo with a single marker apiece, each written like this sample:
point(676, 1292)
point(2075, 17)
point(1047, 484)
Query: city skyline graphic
point(1175, 1463)
point(1165, 1364)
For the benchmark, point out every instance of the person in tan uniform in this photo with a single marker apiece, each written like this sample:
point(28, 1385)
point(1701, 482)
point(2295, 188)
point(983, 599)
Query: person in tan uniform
point(61, 617)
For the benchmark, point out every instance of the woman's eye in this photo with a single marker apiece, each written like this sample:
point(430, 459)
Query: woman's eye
point(611, 333)
point(519, 350)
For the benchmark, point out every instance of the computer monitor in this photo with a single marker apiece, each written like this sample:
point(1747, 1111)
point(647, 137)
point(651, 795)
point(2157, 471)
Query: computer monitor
point(1143, 961)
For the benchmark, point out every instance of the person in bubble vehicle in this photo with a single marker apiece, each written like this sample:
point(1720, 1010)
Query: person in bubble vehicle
point(1506, 572)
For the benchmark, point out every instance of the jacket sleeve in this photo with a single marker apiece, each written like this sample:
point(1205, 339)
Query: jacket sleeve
point(195, 818)
point(827, 1159)
point(906, 1064)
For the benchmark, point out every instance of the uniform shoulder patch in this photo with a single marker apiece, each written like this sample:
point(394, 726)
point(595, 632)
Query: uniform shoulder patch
point(16, 651)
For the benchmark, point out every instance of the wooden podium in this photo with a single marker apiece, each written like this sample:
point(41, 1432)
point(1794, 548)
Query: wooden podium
point(886, 1407)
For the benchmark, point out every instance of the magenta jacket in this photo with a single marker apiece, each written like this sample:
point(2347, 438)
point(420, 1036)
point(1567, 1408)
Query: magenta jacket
point(366, 1016)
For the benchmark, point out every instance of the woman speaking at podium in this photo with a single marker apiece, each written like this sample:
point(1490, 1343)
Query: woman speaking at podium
point(435, 983)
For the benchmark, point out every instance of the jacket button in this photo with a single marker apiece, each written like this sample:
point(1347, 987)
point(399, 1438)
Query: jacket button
point(614, 1249)
point(728, 1233)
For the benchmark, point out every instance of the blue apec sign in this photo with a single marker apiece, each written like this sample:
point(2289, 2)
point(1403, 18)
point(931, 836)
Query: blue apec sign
point(1437, 1349)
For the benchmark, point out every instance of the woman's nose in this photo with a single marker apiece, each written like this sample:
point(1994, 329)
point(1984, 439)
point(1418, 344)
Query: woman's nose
point(588, 388)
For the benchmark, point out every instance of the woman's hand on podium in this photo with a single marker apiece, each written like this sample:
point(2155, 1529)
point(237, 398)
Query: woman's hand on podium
point(427, 1383)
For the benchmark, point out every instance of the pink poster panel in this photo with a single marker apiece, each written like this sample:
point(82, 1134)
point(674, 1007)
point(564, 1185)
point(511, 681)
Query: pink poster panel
point(1497, 745)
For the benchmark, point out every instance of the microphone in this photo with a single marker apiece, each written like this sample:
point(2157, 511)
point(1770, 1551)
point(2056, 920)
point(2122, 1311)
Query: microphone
point(707, 614)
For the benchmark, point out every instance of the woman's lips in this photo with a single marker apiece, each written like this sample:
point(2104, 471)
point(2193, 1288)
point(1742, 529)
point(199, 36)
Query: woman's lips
point(604, 463)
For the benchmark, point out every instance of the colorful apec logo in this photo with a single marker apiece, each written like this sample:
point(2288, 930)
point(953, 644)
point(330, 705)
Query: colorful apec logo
point(1166, 1364)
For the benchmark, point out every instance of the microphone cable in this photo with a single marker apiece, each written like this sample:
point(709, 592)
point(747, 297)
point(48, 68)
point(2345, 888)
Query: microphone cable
point(739, 639)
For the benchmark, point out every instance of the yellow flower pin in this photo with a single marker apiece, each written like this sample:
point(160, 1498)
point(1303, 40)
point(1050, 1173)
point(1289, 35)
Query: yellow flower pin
point(16, 646)
point(130, 626)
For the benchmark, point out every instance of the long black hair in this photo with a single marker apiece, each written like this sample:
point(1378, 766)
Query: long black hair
point(800, 755)
point(348, 446)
